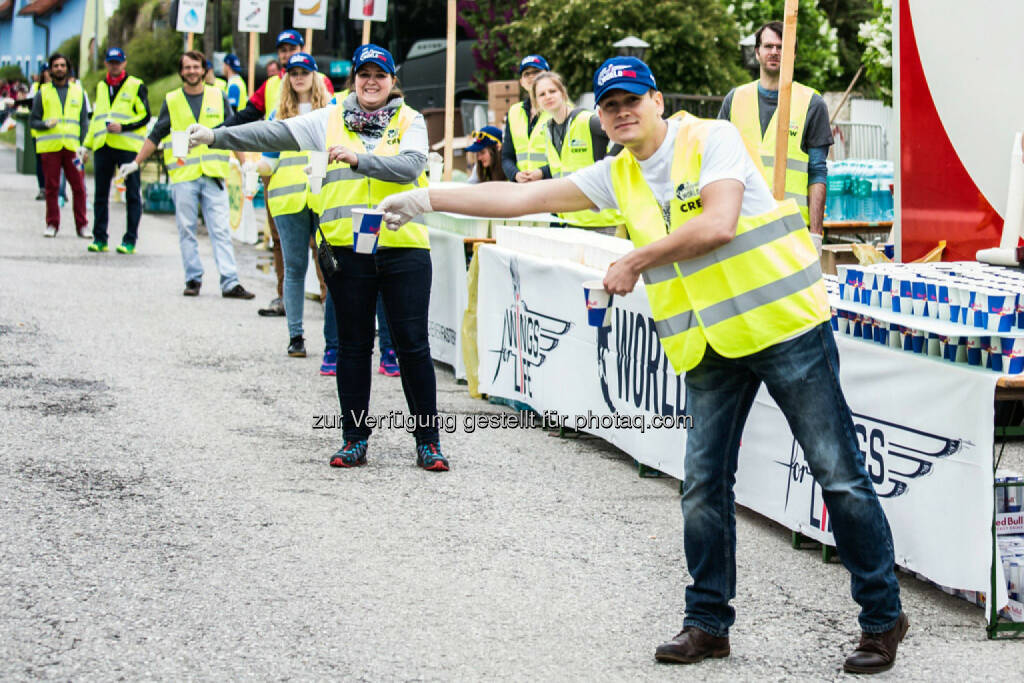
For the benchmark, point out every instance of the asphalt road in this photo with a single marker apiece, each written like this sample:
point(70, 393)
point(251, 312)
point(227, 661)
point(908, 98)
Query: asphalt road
point(168, 512)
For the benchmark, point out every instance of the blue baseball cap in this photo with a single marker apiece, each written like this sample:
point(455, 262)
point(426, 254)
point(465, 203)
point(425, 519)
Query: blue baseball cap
point(209, 65)
point(373, 54)
point(623, 73)
point(114, 54)
point(301, 59)
point(233, 61)
point(291, 37)
point(488, 136)
point(534, 62)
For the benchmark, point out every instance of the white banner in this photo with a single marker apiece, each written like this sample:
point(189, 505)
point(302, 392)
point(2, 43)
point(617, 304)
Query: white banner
point(310, 14)
point(368, 10)
point(191, 16)
point(253, 16)
point(449, 297)
point(924, 425)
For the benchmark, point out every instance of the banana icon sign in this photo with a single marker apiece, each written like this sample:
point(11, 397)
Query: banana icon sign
point(310, 11)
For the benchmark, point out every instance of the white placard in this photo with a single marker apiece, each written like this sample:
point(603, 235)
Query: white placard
point(253, 16)
point(310, 14)
point(368, 10)
point(191, 16)
point(449, 297)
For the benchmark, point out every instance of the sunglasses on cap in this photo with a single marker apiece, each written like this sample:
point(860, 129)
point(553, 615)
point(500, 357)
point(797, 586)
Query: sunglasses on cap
point(481, 135)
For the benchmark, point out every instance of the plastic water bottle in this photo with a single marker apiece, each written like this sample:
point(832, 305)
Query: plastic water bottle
point(888, 179)
point(834, 191)
point(850, 209)
point(865, 209)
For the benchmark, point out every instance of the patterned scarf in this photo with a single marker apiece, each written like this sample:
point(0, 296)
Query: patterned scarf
point(369, 123)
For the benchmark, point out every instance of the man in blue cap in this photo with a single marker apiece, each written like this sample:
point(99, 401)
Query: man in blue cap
point(232, 70)
point(524, 143)
point(119, 119)
point(735, 290)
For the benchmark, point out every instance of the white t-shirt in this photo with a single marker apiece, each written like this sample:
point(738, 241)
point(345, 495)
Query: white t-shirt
point(725, 157)
point(310, 131)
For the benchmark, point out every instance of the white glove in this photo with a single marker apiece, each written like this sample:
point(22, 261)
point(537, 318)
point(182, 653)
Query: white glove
point(82, 153)
point(401, 208)
point(126, 170)
point(199, 135)
point(816, 238)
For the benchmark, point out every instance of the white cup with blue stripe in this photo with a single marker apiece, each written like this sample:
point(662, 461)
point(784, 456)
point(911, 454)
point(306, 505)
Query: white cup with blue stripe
point(366, 229)
point(599, 304)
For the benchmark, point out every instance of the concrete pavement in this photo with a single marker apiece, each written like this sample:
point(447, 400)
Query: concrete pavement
point(168, 512)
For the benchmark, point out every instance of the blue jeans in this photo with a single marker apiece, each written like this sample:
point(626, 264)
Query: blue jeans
point(402, 277)
point(802, 375)
point(188, 197)
point(295, 230)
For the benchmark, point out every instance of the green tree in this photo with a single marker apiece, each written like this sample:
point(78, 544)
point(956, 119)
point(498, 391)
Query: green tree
point(876, 37)
point(694, 43)
point(817, 46)
point(846, 16)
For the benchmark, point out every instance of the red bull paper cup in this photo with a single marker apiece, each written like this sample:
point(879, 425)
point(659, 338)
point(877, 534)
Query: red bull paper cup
point(599, 304)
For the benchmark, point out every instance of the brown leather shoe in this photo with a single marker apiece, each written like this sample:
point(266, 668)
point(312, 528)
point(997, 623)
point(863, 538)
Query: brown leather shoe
point(877, 651)
point(690, 646)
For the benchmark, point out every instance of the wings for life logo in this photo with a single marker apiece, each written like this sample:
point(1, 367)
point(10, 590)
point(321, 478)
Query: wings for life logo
point(527, 337)
point(895, 456)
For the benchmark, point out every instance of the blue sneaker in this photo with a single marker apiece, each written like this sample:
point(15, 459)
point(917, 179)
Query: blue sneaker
point(429, 457)
point(329, 365)
point(352, 454)
point(388, 363)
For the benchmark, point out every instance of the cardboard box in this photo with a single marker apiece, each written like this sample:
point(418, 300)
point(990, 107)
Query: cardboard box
point(836, 254)
point(503, 89)
point(501, 95)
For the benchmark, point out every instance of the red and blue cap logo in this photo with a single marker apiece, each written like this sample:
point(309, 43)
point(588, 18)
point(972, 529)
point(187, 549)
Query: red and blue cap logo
point(623, 73)
point(114, 54)
point(303, 60)
point(290, 37)
point(534, 62)
point(373, 54)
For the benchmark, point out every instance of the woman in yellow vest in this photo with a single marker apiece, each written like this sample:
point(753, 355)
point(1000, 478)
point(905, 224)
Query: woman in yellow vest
point(735, 289)
point(287, 190)
point(378, 147)
point(575, 140)
point(522, 147)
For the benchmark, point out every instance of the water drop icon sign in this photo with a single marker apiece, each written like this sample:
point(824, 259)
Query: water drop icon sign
point(192, 18)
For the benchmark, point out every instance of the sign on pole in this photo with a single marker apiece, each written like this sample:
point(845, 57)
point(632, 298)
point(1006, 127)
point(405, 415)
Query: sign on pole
point(310, 14)
point(253, 16)
point(368, 10)
point(191, 16)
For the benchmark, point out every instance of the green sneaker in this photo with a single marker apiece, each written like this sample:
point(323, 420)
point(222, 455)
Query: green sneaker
point(123, 249)
point(99, 246)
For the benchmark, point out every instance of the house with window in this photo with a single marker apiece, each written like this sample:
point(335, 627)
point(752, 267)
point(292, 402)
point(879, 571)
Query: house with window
point(31, 29)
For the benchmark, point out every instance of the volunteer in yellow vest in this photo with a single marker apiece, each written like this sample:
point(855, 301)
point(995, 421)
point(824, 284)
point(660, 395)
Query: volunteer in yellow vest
point(198, 179)
point(237, 94)
point(116, 135)
point(287, 189)
point(211, 78)
point(59, 122)
point(524, 144)
point(44, 78)
point(377, 147)
point(752, 108)
point(575, 140)
point(736, 293)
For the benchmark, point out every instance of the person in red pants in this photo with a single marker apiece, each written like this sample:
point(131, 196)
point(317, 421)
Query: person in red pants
point(59, 122)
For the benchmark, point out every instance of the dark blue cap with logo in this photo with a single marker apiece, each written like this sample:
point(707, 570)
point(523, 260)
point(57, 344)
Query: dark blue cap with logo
point(290, 37)
point(488, 136)
point(302, 60)
point(233, 61)
point(534, 62)
point(373, 54)
point(623, 73)
point(114, 54)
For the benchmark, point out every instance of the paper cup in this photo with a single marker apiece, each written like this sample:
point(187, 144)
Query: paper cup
point(179, 143)
point(934, 345)
point(317, 164)
point(365, 230)
point(316, 184)
point(250, 184)
point(1013, 354)
point(599, 304)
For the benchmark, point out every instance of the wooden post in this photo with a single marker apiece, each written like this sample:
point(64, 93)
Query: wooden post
point(188, 41)
point(254, 39)
point(308, 47)
point(785, 93)
point(449, 92)
point(366, 31)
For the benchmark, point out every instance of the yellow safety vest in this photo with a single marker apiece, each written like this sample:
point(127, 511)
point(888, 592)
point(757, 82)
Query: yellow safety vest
point(577, 152)
point(272, 93)
point(531, 147)
point(744, 115)
point(242, 92)
point(128, 107)
point(201, 160)
point(345, 189)
point(221, 84)
point(761, 288)
point(287, 190)
point(66, 134)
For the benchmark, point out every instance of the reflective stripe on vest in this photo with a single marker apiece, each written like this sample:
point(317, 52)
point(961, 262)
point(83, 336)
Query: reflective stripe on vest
point(530, 147)
point(286, 192)
point(128, 107)
point(201, 160)
point(758, 289)
point(68, 131)
point(744, 114)
point(577, 152)
point(345, 189)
